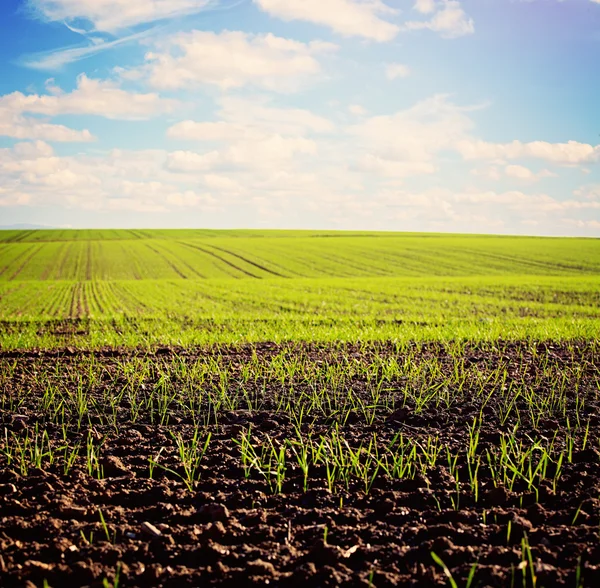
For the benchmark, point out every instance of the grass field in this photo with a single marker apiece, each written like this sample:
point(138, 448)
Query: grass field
point(143, 288)
point(186, 408)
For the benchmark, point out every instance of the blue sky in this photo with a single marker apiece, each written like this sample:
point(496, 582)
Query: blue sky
point(418, 115)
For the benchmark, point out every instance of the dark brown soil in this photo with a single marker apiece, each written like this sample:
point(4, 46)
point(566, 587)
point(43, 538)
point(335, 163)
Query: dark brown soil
point(233, 530)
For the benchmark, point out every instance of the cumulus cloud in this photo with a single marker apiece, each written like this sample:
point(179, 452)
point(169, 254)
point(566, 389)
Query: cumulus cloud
point(393, 168)
point(231, 59)
point(591, 192)
point(260, 113)
point(95, 97)
point(357, 109)
point(32, 174)
point(13, 124)
point(411, 141)
point(487, 210)
point(416, 134)
point(569, 153)
point(351, 18)
point(449, 19)
point(396, 70)
point(247, 119)
point(262, 154)
point(264, 182)
point(252, 135)
point(189, 130)
point(425, 6)
point(91, 97)
point(114, 15)
point(520, 172)
point(32, 150)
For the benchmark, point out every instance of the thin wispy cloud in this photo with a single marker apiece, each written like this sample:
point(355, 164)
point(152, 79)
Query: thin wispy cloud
point(112, 16)
point(108, 24)
point(56, 59)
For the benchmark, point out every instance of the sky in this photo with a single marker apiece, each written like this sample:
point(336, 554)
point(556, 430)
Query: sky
point(478, 116)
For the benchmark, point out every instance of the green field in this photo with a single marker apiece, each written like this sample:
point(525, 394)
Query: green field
point(94, 288)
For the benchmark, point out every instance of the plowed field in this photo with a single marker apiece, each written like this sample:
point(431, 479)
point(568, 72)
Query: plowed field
point(300, 464)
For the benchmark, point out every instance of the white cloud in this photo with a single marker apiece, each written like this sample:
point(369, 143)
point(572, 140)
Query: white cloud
point(412, 141)
point(262, 147)
point(520, 172)
point(570, 153)
point(10, 197)
point(231, 59)
point(260, 114)
point(450, 20)
point(490, 173)
point(245, 119)
point(592, 225)
point(514, 172)
point(96, 97)
point(357, 110)
point(32, 150)
point(222, 183)
point(32, 174)
point(190, 161)
point(588, 192)
point(487, 210)
point(114, 15)
point(266, 180)
point(158, 197)
point(394, 169)
point(360, 18)
point(417, 134)
point(263, 154)
point(189, 130)
point(396, 70)
point(13, 124)
point(425, 6)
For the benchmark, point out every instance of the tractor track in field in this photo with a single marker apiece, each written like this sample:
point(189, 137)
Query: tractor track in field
point(78, 306)
point(50, 267)
point(190, 267)
point(248, 261)
point(230, 529)
point(168, 261)
point(63, 262)
point(22, 236)
point(29, 253)
point(221, 259)
point(88, 263)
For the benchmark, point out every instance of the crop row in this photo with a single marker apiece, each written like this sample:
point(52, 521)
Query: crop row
point(524, 383)
point(202, 311)
point(400, 397)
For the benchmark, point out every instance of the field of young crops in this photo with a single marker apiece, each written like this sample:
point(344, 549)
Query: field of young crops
point(140, 288)
point(190, 408)
point(174, 255)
